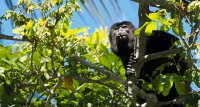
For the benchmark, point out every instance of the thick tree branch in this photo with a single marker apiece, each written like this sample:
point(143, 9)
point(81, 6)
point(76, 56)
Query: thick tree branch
point(133, 90)
point(140, 51)
point(150, 98)
point(161, 54)
point(141, 41)
point(16, 38)
point(157, 3)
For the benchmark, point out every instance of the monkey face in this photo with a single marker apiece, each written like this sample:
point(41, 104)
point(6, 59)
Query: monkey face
point(120, 32)
point(121, 37)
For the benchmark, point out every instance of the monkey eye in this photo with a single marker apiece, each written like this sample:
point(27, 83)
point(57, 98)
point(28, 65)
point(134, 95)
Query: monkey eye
point(116, 27)
point(124, 26)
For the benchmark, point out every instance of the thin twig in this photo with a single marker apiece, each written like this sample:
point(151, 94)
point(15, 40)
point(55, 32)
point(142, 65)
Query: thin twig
point(29, 101)
point(187, 46)
point(102, 83)
point(51, 92)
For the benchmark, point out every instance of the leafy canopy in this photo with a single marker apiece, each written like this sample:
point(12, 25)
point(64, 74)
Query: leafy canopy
point(57, 65)
point(42, 69)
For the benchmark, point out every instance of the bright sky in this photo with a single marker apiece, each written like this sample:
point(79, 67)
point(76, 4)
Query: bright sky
point(128, 8)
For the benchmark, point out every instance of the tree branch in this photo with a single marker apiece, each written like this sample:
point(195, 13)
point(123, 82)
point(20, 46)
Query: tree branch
point(139, 92)
point(150, 98)
point(161, 54)
point(93, 81)
point(157, 3)
point(102, 70)
point(30, 99)
point(51, 92)
point(101, 81)
point(140, 48)
point(16, 38)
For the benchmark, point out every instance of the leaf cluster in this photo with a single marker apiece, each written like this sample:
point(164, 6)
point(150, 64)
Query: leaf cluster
point(42, 69)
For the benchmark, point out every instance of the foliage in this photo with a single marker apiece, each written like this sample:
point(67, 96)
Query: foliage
point(61, 66)
point(174, 20)
point(42, 70)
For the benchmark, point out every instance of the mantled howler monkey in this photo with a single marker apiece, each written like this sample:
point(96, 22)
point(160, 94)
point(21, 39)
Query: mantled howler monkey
point(123, 42)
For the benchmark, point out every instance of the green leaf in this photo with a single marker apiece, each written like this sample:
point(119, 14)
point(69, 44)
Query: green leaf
point(111, 92)
point(2, 54)
point(89, 105)
point(104, 49)
point(2, 72)
point(36, 59)
point(19, 30)
point(1, 90)
point(175, 30)
point(172, 1)
point(167, 84)
point(167, 22)
point(82, 1)
point(11, 63)
point(103, 38)
point(180, 85)
point(80, 30)
point(193, 6)
point(95, 38)
point(150, 27)
point(5, 51)
point(8, 81)
point(160, 87)
point(137, 32)
point(90, 58)
point(55, 1)
point(154, 16)
point(46, 52)
point(147, 86)
point(163, 84)
point(29, 24)
point(30, 33)
point(29, 29)
point(23, 58)
point(47, 76)
point(180, 88)
point(105, 61)
point(165, 28)
point(8, 49)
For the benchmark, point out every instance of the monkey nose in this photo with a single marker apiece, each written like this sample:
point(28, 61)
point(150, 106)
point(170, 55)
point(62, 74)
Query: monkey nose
point(121, 34)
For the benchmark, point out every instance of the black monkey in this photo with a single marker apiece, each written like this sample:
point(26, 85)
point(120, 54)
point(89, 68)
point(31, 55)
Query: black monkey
point(123, 44)
point(123, 41)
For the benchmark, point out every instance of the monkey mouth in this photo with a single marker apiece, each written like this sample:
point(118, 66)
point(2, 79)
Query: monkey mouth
point(122, 37)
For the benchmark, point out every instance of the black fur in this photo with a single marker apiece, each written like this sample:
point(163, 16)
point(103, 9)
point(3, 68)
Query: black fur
point(123, 42)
